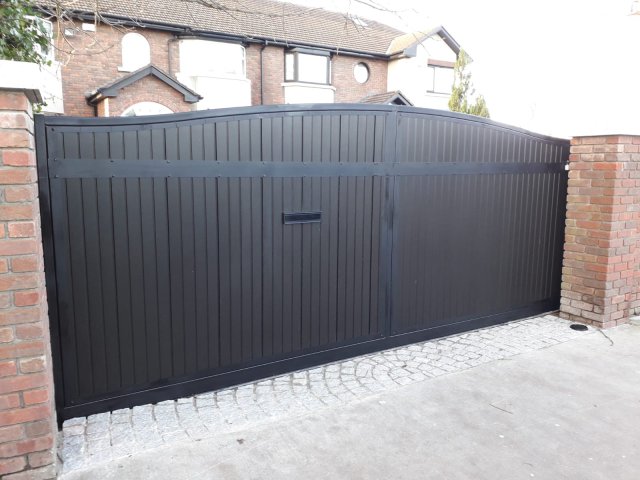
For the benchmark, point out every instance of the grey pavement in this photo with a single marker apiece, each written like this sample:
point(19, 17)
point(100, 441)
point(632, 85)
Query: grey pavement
point(446, 408)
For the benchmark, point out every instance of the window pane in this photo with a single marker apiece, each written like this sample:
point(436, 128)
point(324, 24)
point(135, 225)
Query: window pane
point(312, 68)
point(289, 67)
point(135, 51)
point(430, 78)
point(443, 79)
point(202, 57)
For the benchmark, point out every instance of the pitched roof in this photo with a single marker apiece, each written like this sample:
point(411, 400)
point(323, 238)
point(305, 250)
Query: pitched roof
point(112, 89)
point(405, 42)
point(250, 19)
point(387, 98)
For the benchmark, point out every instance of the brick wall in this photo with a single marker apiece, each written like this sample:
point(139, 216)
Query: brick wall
point(91, 60)
point(273, 63)
point(347, 88)
point(27, 419)
point(601, 269)
point(148, 89)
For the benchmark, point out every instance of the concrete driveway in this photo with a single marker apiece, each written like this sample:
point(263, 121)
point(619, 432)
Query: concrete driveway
point(567, 411)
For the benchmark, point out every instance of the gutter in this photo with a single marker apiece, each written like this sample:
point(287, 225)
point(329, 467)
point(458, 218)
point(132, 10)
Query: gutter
point(187, 31)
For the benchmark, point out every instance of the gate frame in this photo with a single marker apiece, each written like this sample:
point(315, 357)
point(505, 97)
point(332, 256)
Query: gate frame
point(196, 383)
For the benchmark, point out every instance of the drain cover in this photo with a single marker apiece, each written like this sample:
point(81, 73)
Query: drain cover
point(579, 327)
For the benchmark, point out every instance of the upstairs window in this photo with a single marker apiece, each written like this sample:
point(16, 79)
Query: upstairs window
point(439, 79)
point(45, 26)
point(136, 52)
point(308, 67)
point(205, 58)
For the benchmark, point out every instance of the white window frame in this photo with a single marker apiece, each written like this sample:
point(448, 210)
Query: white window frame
point(134, 58)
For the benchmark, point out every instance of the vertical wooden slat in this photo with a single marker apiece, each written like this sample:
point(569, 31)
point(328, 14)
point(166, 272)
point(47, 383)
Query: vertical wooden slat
point(224, 279)
point(213, 271)
point(201, 278)
point(123, 281)
point(176, 269)
point(150, 278)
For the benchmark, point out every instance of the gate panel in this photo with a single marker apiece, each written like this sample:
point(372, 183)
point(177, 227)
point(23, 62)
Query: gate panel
point(171, 269)
point(481, 234)
point(190, 252)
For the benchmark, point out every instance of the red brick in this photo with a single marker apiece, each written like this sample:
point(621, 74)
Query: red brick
point(607, 165)
point(8, 368)
point(14, 432)
point(17, 281)
point(30, 263)
point(15, 139)
point(22, 349)
point(11, 465)
point(11, 400)
point(22, 447)
point(17, 212)
point(21, 193)
point(20, 315)
point(18, 247)
point(32, 397)
point(18, 158)
point(5, 300)
point(20, 120)
point(14, 101)
point(40, 459)
point(38, 428)
point(4, 264)
point(6, 335)
point(22, 382)
point(32, 365)
point(17, 176)
point(22, 229)
point(26, 414)
point(26, 298)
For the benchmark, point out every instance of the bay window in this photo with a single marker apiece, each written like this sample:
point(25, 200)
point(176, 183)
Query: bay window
point(212, 59)
point(217, 71)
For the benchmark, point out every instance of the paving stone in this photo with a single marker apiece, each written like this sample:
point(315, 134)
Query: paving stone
point(106, 436)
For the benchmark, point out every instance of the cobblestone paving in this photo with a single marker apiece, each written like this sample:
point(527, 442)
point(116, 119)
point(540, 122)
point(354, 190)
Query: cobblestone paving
point(107, 436)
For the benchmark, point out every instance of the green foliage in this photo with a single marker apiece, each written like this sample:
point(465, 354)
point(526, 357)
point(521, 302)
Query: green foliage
point(463, 89)
point(23, 36)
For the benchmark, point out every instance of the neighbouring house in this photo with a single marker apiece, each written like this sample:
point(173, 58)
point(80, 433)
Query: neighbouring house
point(162, 56)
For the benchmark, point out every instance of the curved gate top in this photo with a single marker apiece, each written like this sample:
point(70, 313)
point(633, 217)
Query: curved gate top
point(190, 252)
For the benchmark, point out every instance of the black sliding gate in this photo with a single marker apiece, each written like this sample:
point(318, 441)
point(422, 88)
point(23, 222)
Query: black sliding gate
point(190, 252)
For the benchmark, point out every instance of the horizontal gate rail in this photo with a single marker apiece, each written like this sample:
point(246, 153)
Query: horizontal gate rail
point(75, 168)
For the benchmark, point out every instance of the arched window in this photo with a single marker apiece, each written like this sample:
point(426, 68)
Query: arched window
point(145, 108)
point(136, 52)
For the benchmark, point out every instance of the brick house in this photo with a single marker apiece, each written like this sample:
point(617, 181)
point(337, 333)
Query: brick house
point(162, 56)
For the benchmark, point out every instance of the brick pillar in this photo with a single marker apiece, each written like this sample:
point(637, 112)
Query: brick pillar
point(27, 417)
point(601, 269)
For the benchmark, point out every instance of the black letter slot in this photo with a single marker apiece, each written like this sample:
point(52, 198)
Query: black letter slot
point(301, 217)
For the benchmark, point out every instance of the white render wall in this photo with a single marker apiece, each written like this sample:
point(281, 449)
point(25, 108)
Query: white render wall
point(308, 93)
point(411, 75)
point(46, 79)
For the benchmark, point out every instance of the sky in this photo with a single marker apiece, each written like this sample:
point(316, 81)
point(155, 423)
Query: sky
point(557, 67)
